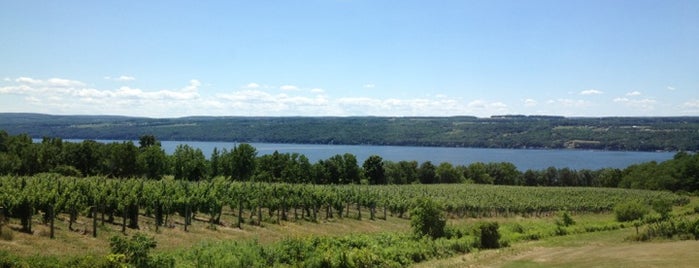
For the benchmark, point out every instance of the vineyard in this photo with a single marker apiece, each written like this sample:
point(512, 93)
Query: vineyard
point(125, 200)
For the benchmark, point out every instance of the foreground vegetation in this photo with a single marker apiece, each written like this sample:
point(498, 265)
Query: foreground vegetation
point(19, 155)
point(610, 133)
point(145, 209)
point(122, 203)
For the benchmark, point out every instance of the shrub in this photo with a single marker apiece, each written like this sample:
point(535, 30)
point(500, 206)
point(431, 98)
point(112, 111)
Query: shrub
point(69, 171)
point(489, 235)
point(663, 207)
point(6, 234)
point(566, 219)
point(136, 251)
point(427, 218)
point(518, 228)
point(630, 211)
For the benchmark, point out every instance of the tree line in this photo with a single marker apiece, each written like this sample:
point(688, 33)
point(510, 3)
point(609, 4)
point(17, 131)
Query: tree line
point(19, 155)
point(606, 133)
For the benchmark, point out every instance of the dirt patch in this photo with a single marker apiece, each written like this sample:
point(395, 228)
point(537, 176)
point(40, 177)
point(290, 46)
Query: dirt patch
point(649, 254)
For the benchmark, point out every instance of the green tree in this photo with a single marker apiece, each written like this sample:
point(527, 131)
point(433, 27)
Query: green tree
point(136, 250)
point(152, 162)
point(146, 141)
point(446, 173)
point(215, 165)
point(489, 235)
point(427, 218)
point(374, 170)
point(478, 173)
point(243, 162)
point(630, 211)
point(121, 159)
point(350, 169)
point(189, 163)
point(503, 173)
point(427, 173)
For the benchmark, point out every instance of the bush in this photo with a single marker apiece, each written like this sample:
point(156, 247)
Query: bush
point(136, 251)
point(663, 207)
point(427, 219)
point(566, 220)
point(6, 234)
point(69, 171)
point(489, 235)
point(630, 211)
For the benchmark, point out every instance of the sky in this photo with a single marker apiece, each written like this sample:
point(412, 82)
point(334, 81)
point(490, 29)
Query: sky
point(350, 58)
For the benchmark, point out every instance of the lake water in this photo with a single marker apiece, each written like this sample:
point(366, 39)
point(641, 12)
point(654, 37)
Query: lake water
point(523, 159)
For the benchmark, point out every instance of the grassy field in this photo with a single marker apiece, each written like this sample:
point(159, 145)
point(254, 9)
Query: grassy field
point(600, 249)
point(80, 241)
point(579, 248)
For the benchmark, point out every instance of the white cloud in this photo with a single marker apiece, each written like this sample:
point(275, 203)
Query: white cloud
point(369, 86)
point(633, 93)
point(692, 104)
point(7, 79)
point(289, 87)
point(485, 105)
point(64, 96)
point(121, 78)
point(591, 92)
point(52, 82)
point(530, 102)
point(252, 85)
point(125, 78)
point(27, 80)
point(641, 104)
point(670, 88)
point(570, 103)
point(57, 95)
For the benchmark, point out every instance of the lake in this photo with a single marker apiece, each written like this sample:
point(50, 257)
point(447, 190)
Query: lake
point(523, 159)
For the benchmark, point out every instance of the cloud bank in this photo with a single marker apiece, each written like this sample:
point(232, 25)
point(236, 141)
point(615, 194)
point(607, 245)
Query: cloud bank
point(69, 96)
point(64, 96)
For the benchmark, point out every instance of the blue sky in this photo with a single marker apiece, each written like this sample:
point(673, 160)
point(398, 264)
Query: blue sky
point(346, 58)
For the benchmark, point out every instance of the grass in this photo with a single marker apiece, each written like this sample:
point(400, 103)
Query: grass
point(80, 241)
point(579, 249)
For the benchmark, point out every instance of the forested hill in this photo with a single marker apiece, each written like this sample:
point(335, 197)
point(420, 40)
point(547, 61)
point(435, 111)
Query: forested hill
point(610, 133)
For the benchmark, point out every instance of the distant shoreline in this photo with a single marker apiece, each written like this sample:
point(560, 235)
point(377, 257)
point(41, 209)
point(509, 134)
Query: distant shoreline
point(642, 134)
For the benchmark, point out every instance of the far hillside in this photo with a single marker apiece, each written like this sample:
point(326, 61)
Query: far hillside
point(607, 133)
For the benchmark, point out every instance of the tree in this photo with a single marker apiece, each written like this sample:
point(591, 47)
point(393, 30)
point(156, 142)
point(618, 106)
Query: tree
point(121, 160)
point(152, 162)
point(427, 218)
point(426, 173)
point(215, 168)
point(49, 153)
point(503, 173)
point(333, 169)
point(630, 211)
point(243, 162)
point(446, 173)
point(478, 173)
point(374, 170)
point(409, 171)
point(189, 163)
point(394, 174)
point(146, 141)
point(136, 250)
point(530, 177)
point(609, 177)
point(489, 235)
point(350, 169)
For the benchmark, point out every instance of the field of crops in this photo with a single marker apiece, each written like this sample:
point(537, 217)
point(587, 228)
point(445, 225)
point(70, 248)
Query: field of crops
point(49, 195)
